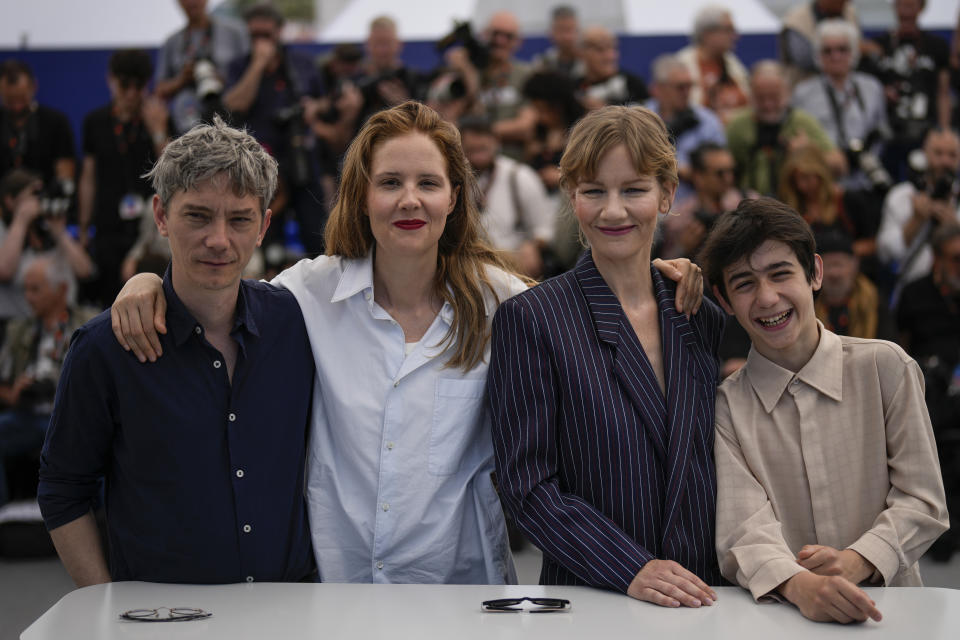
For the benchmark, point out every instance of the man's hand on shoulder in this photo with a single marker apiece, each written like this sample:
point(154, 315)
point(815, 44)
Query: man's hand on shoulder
point(827, 561)
point(829, 598)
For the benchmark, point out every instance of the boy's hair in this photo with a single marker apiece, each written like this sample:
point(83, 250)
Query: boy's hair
point(738, 233)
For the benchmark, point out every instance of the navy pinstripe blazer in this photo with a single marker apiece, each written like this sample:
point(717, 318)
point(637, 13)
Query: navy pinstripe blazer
point(596, 467)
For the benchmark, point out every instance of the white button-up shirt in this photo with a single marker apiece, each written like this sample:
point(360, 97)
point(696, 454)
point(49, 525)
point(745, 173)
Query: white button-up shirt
point(400, 456)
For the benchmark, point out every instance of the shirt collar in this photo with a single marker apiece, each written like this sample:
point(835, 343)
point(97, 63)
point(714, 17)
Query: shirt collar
point(182, 324)
point(357, 277)
point(823, 372)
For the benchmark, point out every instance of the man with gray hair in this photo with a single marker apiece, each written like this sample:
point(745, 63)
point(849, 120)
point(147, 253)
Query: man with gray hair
point(31, 358)
point(202, 451)
point(690, 125)
point(720, 81)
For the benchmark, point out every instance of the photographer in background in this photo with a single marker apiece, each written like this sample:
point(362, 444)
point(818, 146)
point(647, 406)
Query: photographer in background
point(482, 77)
point(603, 81)
point(31, 357)
point(121, 140)
point(192, 62)
point(515, 210)
point(33, 136)
point(761, 137)
point(928, 317)
point(849, 105)
point(32, 224)
point(913, 210)
point(267, 93)
point(689, 124)
point(386, 81)
point(914, 67)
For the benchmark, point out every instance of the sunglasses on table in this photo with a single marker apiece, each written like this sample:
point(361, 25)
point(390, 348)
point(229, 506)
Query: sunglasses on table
point(540, 605)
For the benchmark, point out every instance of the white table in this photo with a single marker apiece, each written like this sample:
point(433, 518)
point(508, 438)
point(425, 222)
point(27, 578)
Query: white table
point(399, 612)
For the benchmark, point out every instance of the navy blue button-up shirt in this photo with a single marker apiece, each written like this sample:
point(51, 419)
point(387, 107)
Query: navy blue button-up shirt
point(204, 478)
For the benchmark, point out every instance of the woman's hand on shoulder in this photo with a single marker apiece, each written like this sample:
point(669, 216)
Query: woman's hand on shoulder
point(138, 315)
point(669, 584)
point(689, 279)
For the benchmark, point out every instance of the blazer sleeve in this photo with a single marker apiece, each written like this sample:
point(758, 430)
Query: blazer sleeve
point(524, 406)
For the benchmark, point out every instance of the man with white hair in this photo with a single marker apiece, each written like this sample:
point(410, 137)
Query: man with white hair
point(797, 49)
point(31, 358)
point(849, 105)
point(720, 81)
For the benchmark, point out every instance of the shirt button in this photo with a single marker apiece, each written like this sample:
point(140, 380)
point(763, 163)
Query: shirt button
point(232, 417)
point(249, 578)
point(795, 382)
point(197, 330)
point(385, 506)
point(390, 446)
point(379, 565)
point(239, 473)
point(246, 528)
point(216, 364)
point(396, 384)
point(367, 295)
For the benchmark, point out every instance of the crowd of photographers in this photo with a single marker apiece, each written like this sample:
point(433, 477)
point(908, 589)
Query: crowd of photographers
point(854, 133)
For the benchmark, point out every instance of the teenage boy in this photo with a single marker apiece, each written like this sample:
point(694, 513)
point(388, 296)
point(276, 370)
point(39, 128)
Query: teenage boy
point(827, 470)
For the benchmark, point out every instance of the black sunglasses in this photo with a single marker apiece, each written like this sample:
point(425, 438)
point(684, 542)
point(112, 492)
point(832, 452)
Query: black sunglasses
point(542, 605)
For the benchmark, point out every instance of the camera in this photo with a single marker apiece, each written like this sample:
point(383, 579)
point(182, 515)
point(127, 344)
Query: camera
point(447, 87)
point(297, 163)
point(860, 157)
point(208, 82)
point(682, 121)
point(462, 34)
point(56, 200)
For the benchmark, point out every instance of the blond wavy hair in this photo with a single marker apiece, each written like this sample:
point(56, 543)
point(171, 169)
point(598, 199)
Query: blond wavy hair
point(463, 256)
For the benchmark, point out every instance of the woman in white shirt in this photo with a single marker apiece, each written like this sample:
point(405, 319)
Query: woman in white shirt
point(398, 313)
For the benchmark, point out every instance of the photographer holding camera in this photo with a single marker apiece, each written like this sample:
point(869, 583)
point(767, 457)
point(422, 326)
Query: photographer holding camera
point(191, 63)
point(849, 105)
point(482, 76)
point(761, 137)
point(34, 136)
point(270, 92)
point(914, 210)
point(32, 223)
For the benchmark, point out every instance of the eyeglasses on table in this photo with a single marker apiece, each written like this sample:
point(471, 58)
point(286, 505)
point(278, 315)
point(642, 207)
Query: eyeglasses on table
point(541, 605)
point(174, 614)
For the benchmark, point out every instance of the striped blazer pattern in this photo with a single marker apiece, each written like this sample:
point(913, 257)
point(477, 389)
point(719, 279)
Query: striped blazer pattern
point(595, 466)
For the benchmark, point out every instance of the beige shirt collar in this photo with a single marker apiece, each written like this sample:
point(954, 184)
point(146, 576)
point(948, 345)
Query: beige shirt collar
point(823, 372)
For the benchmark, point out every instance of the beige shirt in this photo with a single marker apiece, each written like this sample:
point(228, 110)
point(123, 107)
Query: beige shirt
point(840, 454)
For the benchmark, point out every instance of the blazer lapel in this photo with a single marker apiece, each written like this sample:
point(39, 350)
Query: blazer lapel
point(683, 390)
point(629, 364)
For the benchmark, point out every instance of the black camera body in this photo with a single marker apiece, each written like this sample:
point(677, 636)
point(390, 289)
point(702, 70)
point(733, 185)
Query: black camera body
point(462, 34)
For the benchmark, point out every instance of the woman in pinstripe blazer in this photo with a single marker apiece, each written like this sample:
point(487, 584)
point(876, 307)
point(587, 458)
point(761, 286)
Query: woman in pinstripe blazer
point(602, 393)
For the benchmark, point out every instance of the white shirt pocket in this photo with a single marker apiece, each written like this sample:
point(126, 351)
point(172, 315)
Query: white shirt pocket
point(457, 407)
